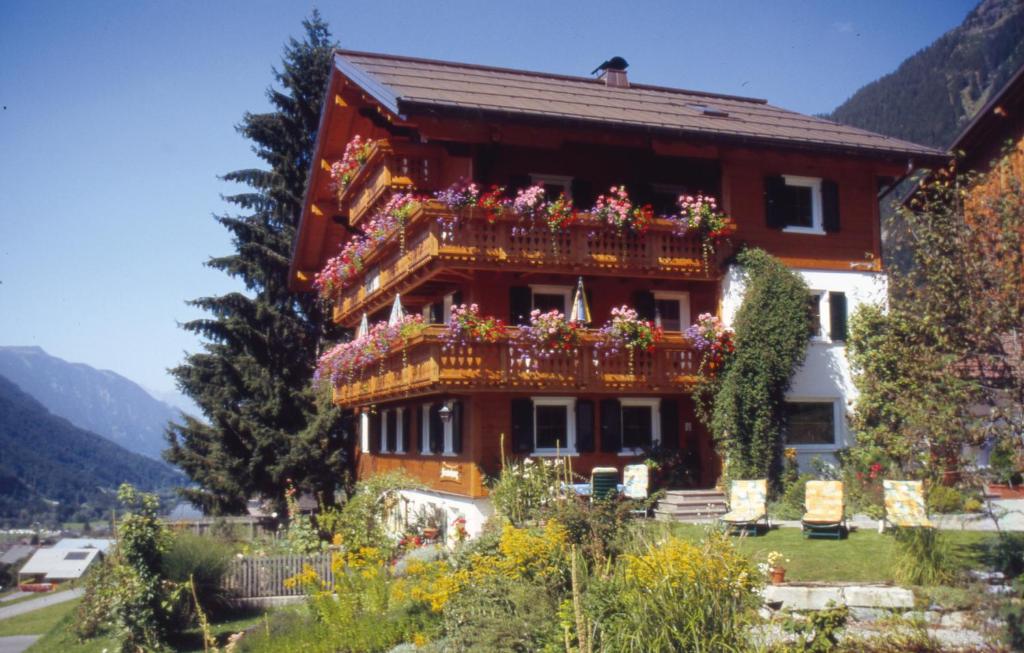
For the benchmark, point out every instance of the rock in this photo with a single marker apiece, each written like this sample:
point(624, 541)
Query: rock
point(858, 613)
point(956, 620)
point(992, 577)
point(960, 638)
point(878, 597)
point(802, 597)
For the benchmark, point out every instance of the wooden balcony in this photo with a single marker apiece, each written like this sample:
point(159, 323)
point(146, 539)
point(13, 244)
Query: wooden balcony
point(583, 249)
point(392, 166)
point(425, 367)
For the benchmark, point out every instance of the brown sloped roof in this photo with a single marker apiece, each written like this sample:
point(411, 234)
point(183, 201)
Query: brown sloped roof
point(407, 85)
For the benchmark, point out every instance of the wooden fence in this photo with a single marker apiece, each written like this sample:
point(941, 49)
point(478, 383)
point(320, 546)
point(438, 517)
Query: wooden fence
point(258, 577)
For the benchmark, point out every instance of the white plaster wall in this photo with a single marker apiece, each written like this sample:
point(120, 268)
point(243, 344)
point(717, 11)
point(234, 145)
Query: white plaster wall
point(475, 511)
point(825, 373)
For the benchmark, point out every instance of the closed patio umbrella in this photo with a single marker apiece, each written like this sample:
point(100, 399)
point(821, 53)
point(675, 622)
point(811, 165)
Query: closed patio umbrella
point(580, 309)
point(364, 327)
point(397, 312)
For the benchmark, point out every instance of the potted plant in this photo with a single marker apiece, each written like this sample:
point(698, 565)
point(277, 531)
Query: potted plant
point(775, 569)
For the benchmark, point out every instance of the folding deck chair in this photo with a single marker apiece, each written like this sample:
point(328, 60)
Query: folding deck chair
point(904, 505)
point(604, 482)
point(824, 505)
point(636, 482)
point(748, 505)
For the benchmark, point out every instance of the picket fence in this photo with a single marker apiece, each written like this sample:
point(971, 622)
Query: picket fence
point(260, 577)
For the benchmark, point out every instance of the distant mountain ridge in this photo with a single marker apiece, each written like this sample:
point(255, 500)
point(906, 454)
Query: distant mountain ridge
point(100, 401)
point(935, 92)
point(52, 471)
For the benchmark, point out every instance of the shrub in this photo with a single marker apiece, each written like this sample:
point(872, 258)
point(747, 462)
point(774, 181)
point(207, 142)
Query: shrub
point(503, 614)
point(923, 557)
point(361, 522)
point(675, 596)
point(524, 487)
point(792, 503)
point(599, 528)
point(944, 499)
point(203, 560)
point(1005, 554)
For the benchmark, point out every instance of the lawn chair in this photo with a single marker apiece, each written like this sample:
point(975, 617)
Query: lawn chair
point(636, 482)
point(604, 482)
point(824, 505)
point(904, 505)
point(748, 505)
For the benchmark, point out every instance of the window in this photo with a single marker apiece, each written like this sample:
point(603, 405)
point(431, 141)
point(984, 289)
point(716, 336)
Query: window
point(400, 430)
point(665, 198)
point(827, 316)
point(548, 298)
point(554, 426)
point(372, 283)
point(815, 324)
point(387, 443)
point(796, 202)
point(641, 424)
point(672, 310)
point(425, 430)
point(364, 431)
point(810, 422)
point(554, 185)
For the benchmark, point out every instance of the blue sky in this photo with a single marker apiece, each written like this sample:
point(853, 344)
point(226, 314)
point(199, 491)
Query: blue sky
point(118, 116)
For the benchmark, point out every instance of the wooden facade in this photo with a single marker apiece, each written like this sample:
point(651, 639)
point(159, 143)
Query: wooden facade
point(485, 262)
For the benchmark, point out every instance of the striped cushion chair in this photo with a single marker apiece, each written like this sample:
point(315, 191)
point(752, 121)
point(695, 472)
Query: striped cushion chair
point(824, 506)
point(748, 505)
point(904, 504)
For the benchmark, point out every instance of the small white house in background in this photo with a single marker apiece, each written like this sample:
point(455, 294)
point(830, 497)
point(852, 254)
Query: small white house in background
point(66, 560)
point(822, 393)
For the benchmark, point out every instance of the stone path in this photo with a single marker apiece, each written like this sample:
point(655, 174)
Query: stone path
point(42, 602)
point(17, 643)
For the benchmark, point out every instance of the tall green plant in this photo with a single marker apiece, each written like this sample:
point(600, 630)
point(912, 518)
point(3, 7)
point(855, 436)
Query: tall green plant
point(743, 404)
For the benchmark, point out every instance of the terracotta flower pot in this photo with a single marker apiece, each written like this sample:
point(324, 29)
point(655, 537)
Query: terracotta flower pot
point(778, 575)
point(430, 533)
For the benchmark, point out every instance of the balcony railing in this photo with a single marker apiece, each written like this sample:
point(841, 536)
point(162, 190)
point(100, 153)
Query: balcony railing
point(425, 366)
point(476, 243)
point(390, 167)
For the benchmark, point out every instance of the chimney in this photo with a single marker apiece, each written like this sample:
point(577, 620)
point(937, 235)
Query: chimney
point(615, 78)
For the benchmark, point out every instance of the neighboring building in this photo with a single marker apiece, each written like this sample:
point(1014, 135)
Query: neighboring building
point(16, 553)
point(802, 188)
point(66, 560)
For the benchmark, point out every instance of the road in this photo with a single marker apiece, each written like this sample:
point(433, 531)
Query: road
point(17, 644)
point(41, 602)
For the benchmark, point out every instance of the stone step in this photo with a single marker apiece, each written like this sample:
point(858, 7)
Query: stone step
point(694, 501)
point(666, 515)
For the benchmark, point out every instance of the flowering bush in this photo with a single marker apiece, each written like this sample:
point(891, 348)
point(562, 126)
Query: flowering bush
point(468, 326)
point(547, 334)
point(700, 215)
point(625, 330)
point(345, 360)
point(458, 196)
point(529, 202)
point(493, 202)
point(357, 151)
point(713, 340)
point(559, 214)
point(617, 209)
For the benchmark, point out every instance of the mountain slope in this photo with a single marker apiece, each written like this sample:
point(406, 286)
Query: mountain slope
point(96, 400)
point(933, 94)
point(51, 471)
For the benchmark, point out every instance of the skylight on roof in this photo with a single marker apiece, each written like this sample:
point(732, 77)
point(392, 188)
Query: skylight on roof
point(709, 110)
point(76, 555)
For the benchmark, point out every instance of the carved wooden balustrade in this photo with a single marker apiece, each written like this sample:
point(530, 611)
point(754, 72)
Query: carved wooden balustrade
point(507, 243)
point(392, 166)
point(425, 366)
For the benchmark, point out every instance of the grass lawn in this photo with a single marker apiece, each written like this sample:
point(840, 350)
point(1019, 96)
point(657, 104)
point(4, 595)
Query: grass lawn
point(38, 621)
point(864, 556)
point(60, 636)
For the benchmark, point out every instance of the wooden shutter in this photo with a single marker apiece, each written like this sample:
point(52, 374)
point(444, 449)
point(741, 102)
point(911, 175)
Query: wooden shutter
point(417, 441)
point(643, 302)
point(520, 302)
point(611, 425)
point(374, 421)
point(522, 425)
point(837, 316)
point(457, 426)
point(830, 205)
point(457, 298)
point(406, 429)
point(582, 194)
point(669, 424)
point(584, 425)
point(436, 429)
point(392, 430)
point(437, 313)
point(777, 210)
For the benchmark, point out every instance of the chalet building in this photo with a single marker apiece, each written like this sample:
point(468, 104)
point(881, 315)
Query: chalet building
point(802, 188)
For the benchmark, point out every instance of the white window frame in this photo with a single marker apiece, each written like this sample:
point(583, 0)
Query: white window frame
point(684, 306)
point(543, 179)
point(654, 403)
point(400, 429)
point(364, 432)
point(551, 289)
point(371, 282)
point(425, 431)
point(449, 430)
point(838, 424)
point(817, 227)
point(385, 418)
point(566, 448)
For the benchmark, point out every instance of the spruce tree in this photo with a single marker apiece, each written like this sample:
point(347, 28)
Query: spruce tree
point(264, 427)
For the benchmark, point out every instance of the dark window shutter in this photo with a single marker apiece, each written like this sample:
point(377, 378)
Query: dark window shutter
point(457, 425)
point(776, 205)
point(830, 205)
point(417, 441)
point(436, 429)
point(437, 313)
point(374, 432)
point(522, 425)
point(669, 423)
point(457, 298)
point(837, 316)
point(520, 301)
point(392, 430)
point(406, 429)
point(643, 302)
point(584, 425)
point(582, 194)
point(517, 182)
point(611, 425)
